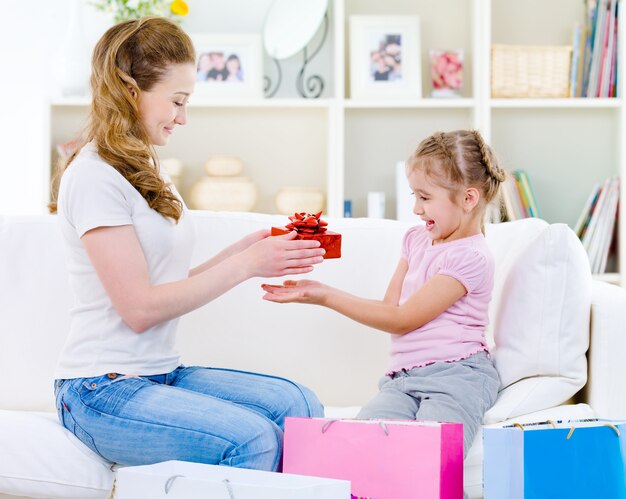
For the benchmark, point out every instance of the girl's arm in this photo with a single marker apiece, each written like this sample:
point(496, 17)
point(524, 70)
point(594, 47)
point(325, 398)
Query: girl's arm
point(118, 259)
point(434, 297)
point(392, 296)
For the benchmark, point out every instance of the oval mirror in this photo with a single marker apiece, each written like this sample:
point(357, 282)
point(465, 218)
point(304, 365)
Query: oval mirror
point(290, 25)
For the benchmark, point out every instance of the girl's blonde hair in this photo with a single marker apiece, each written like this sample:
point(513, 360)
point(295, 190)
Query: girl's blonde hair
point(458, 159)
point(132, 57)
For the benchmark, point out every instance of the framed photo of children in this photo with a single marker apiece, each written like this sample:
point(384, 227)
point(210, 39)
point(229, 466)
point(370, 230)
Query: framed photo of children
point(385, 59)
point(228, 66)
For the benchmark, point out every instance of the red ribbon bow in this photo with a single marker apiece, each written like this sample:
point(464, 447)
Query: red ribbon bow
point(307, 223)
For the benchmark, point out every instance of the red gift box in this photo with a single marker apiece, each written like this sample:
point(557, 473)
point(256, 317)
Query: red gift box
point(311, 226)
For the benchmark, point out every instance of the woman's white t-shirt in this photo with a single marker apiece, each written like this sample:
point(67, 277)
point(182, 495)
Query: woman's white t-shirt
point(93, 194)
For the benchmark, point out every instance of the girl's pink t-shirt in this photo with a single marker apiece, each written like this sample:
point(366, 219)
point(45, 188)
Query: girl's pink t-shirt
point(459, 331)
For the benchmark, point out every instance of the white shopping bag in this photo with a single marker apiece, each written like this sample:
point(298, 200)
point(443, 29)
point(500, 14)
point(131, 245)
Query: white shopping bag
point(182, 480)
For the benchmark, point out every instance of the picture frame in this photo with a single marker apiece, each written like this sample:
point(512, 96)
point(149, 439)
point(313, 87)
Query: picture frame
point(385, 57)
point(228, 66)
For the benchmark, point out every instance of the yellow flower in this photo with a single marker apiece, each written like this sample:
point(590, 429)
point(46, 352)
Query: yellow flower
point(179, 8)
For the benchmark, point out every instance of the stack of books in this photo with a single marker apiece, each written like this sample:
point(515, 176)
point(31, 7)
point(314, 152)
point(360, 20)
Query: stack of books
point(596, 225)
point(518, 197)
point(594, 56)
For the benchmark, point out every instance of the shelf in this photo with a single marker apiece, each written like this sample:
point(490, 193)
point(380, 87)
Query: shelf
point(70, 101)
point(409, 104)
point(226, 103)
point(429, 103)
point(347, 103)
point(610, 277)
point(263, 103)
point(463, 103)
point(556, 103)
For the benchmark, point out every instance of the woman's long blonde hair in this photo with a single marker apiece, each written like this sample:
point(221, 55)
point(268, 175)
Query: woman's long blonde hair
point(132, 57)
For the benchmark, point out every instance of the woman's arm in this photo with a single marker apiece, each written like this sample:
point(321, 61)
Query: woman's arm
point(434, 297)
point(233, 249)
point(119, 261)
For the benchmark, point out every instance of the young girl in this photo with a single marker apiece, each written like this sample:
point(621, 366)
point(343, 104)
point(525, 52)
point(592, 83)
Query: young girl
point(120, 386)
point(436, 303)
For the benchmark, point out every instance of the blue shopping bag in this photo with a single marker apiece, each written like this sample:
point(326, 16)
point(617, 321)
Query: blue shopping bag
point(551, 460)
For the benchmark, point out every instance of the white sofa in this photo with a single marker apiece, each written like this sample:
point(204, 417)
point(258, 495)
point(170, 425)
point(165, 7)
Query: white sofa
point(540, 323)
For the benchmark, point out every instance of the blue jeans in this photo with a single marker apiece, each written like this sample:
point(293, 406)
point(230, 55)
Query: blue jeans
point(197, 414)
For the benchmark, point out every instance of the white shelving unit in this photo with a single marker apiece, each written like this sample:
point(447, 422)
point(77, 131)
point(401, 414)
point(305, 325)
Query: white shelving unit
point(348, 147)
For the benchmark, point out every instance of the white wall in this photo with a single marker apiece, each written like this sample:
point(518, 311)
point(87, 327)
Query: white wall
point(30, 39)
point(31, 42)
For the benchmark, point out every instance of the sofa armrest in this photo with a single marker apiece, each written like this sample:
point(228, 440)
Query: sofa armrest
point(606, 386)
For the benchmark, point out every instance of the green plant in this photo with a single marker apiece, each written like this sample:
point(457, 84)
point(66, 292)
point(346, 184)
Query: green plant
point(123, 10)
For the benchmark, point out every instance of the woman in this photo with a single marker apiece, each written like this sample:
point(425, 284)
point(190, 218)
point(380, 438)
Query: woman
point(120, 387)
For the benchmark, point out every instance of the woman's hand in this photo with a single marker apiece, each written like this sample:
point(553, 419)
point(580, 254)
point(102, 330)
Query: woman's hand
point(234, 249)
point(247, 241)
point(281, 255)
point(303, 291)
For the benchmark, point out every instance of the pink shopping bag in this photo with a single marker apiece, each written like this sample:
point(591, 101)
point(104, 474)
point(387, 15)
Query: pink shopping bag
point(382, 459)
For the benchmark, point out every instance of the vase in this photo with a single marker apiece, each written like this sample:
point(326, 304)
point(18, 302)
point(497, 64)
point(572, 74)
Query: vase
point(290, 200)
point(224, 194)
point(74, 56)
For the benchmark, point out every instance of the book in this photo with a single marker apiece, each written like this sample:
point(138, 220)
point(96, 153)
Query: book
point(597, 47)
point(595, 216)
point(573, 79)
point(600, 242)
point(607, 51)
point(611, 224)
point(604, 40)
point(518, 197)
point(585, 215)
point(613, 75)
point(521, 196)
point(527, 193)
point(590, 23)
point(616, 75)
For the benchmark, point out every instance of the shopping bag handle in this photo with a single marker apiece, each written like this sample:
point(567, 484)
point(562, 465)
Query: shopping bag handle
point(571, 431)
point(615, 428)
point(170, 481)
point(229, 488)
point(327, 424)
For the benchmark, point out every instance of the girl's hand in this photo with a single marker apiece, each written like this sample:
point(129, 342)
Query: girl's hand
point(281, 255)
point(304, 291)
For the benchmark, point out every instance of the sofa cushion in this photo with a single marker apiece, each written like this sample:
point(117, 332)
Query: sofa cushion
point(40, 458)
point(35, 300)
point(539, 315)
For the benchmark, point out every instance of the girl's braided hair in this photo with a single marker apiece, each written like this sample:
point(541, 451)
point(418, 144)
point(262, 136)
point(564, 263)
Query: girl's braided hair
point(459, 158)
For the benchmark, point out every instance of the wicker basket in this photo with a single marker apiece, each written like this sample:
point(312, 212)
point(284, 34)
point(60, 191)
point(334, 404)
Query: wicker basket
point(526, 71)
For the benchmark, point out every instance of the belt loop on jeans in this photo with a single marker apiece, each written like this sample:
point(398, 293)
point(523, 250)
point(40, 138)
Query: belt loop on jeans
point(395, 374)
